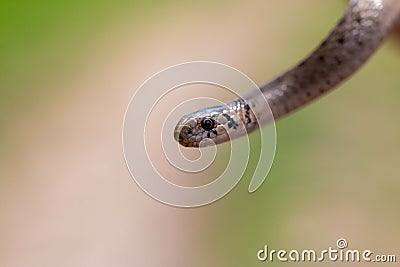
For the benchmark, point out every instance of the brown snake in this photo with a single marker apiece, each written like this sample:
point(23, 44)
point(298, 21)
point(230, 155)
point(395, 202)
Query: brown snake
point(357, 35)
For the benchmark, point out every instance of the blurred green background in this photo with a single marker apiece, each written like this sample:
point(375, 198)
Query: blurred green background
point(67, 72)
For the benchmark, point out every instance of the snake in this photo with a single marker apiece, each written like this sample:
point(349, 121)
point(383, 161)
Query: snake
point(360, 31)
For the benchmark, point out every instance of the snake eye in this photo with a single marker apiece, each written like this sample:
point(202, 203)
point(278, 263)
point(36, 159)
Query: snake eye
point(207, 123)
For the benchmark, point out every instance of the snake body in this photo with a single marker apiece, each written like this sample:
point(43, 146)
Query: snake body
point(357, 35)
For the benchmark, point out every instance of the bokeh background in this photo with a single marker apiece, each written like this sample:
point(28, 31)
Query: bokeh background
point(67, 72)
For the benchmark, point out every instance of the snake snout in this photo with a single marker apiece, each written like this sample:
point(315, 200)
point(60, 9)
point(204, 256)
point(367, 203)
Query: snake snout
point(178, 132)
point(183, 131)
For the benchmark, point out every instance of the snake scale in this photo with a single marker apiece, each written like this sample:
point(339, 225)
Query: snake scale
point(362, 28)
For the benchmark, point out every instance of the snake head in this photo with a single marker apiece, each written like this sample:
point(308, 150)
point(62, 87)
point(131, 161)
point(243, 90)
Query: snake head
point(217, 124)
point(203, 125)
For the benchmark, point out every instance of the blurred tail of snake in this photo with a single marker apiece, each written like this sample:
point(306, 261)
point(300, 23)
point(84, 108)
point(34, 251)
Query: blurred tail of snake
point(363, 27)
